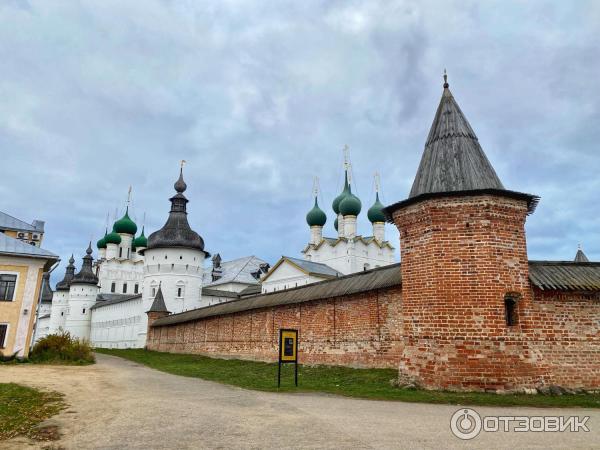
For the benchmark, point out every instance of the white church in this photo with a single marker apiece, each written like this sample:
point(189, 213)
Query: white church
point(106, 301)
point(330, 257)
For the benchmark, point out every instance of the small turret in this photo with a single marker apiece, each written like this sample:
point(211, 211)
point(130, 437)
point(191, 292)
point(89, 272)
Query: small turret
point(376, 215)
point(101, 244)
point(140, 242)
point(316, 219)
point(350, 208)
point(580, 257)
point(65, 283)
point(86, 275)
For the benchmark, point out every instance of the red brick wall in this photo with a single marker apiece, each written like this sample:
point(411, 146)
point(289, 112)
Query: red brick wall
point(446, 328)
point(360, 330)
point(460, 257)
point(565, 337)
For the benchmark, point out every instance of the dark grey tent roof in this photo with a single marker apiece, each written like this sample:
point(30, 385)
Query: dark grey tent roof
point(176, 232)
point(580, 256)
point(158, 305)
point(65, 283)
point(453, 162)
point(46, 289)
point(86, 275)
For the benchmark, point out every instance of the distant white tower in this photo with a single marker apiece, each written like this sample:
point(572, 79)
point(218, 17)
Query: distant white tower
point(60, 299)
point(174, 259)
point(82, 296)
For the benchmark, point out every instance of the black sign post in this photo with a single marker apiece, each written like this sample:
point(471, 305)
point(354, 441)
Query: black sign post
point(288, 352)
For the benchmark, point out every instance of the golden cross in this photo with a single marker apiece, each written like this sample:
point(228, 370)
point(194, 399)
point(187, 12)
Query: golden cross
point(377, 181)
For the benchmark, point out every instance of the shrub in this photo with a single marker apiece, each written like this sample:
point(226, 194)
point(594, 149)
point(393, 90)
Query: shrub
point(62, 348)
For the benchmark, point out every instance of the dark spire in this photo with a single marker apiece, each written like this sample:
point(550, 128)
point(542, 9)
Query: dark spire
point(453, 160)
point(177, 232)
point(46, 289)
point(86, 274)
point(69, 272)
point(158, 305)
point(180, 185)
point(580, 256)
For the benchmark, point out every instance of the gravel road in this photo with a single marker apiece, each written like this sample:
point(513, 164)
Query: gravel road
point(117, 404)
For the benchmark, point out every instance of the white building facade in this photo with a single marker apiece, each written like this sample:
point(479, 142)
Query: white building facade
point(106, 302)
point(347, 253)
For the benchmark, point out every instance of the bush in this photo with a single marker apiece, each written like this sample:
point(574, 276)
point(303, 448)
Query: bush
point(62, 348)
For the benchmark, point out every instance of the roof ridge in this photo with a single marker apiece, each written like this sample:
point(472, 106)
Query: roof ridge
point(20, 220)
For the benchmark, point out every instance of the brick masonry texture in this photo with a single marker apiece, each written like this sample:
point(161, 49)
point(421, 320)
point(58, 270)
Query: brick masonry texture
point(445, 328)
point(460, 257)
point(360, 330)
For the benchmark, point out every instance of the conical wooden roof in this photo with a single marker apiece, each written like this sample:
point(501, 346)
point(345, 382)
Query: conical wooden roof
point(453, 159)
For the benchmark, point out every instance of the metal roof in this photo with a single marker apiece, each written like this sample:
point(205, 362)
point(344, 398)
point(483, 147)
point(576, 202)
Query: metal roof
point(565, 275)
point(219, 293)
point(314, 267)
point(236, 271)
point(19, 248)
point(8, 222)
point(111, 299)
point(176, 232)
point(378, 278)
point(86, 274)
point(46, 289)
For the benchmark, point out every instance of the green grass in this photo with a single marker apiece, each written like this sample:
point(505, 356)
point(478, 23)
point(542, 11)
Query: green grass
point(22, 408)
point(363, 383)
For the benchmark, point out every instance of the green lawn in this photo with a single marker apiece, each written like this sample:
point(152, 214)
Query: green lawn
point(364, 383)
point(22, 408)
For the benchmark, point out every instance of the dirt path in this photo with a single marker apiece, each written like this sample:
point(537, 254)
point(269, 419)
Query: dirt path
point(118, 404)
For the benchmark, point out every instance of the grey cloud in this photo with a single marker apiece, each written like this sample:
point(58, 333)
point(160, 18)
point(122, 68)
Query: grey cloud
point(259, 97)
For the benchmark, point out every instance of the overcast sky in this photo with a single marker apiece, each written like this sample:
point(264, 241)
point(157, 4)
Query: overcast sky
point(259, 97)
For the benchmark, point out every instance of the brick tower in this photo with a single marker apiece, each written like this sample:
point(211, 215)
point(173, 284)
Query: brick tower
point(465, 277)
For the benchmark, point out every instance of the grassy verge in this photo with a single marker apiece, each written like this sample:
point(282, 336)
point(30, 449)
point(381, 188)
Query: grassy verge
point(363, 383)
point(23, 408)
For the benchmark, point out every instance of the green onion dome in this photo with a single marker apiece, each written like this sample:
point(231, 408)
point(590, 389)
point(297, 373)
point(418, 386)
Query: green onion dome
point(375, 213)
point(102, 242)
point(125, 225)
point(141, 241)
point(336, 202)
point(335, 224)
point(112, 238)
point(316, 217)
point(350, 205)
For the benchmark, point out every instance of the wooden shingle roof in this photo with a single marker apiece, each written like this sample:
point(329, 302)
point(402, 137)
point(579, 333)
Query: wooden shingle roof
point(453, 162)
